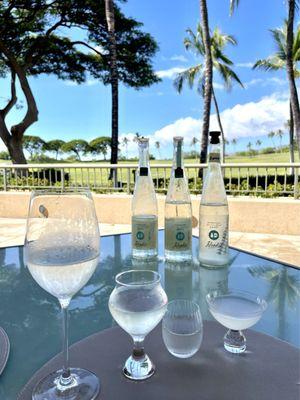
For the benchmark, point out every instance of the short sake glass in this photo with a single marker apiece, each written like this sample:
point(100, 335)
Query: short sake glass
point(61, 252)
point(182, 328)
point(138, 303)
point(236, 310)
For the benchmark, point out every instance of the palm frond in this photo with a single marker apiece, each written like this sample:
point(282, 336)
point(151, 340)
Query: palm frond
point(233, 5)
point(269, 64)
point(187, 76)
point(228, 75)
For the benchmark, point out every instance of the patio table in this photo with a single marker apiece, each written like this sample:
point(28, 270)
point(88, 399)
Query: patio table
point(31, 317)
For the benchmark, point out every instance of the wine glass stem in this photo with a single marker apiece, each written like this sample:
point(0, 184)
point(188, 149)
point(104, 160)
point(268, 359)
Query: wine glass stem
point(138, 349)
point(66, 375)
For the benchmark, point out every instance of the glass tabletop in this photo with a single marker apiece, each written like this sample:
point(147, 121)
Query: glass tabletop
point(31, 317)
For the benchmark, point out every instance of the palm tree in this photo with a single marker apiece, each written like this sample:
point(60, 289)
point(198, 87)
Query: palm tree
point(278, 60)
point(157, 146)
point(125, 142)
point(284, 288)
point(258, 143)
point(289, 124)
point(208, 81)
point(114, 81)
point(221, 63)
point(279, 133)
point(194, 142)
point(234, 143)
point(249, 146)
point(136, 137)
point(271, 136)
point(287, 51)
point(290, 69)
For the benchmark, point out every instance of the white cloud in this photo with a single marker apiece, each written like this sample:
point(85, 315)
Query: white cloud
point(178, 58)
point(170, 73)
point(245, 64)
point(265, 82)
point(218, 86)
point(243, 120)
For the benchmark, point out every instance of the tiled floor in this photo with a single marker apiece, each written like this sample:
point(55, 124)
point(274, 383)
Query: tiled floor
point(280, 247)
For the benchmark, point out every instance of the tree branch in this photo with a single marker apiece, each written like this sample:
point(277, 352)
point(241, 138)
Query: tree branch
point(31, 115)
point(87, 45)
point(13, 98)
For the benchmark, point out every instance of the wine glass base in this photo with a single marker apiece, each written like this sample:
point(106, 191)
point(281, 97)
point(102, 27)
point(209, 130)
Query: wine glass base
point(84, 385)
point(138, 369)
point(235, 342)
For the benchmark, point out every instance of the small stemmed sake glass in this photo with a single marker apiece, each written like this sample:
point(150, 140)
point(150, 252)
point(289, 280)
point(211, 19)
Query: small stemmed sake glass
point(236, 310)
point(61, 251)
point(138, 303)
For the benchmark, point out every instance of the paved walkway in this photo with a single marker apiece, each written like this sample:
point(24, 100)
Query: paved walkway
point(284, 248)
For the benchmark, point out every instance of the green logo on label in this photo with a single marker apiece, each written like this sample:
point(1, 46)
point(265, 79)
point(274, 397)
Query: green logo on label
point(213, 235)
point(180, 236)
point(140, 235)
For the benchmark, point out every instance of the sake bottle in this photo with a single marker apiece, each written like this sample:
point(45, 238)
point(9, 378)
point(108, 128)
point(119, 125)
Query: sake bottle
point(144, 208)
point(178, 210)
point(213, 215)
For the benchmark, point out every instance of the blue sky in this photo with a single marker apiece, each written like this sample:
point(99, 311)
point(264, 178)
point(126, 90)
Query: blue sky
point(70, 111)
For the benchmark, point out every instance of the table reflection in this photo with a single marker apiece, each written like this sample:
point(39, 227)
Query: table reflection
point(31, 317)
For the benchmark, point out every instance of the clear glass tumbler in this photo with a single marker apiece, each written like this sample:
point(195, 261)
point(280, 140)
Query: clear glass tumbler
point(182, 328)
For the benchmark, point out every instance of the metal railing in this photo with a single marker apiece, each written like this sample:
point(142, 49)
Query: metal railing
point(263, 179)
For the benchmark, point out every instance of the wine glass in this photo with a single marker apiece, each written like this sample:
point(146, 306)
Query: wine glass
point(182, 328)
point(138, 303)
point(236, 310)
point(61, 252)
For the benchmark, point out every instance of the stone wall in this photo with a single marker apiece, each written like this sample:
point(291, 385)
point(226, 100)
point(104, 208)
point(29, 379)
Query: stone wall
point(247, 214)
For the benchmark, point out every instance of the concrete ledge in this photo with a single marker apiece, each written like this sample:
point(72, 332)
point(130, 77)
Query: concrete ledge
point(247, 214)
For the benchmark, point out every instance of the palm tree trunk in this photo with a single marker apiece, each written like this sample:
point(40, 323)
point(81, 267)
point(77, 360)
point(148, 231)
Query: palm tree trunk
point(291, 134)
point(110, 19)
point(290, 70)
point(208, 82)
point(220, 125)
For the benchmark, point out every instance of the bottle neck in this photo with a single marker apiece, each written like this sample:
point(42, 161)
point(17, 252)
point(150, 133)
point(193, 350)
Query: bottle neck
point(144, 159)
point(214, 153)
point(178, 160)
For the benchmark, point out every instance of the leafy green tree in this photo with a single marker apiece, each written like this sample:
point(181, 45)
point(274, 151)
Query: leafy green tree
point(100, 145)
point(222, 64)
point(33, 40)
point(54, 146)
point(29, 46)
point(4, 155)
point(77, 146)
point(33, 144)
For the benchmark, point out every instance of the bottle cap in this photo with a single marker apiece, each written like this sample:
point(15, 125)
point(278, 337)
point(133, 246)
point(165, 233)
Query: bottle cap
point(214, 137)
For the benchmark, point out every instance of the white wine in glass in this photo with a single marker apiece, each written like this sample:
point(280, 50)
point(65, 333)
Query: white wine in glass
point(61, 251)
